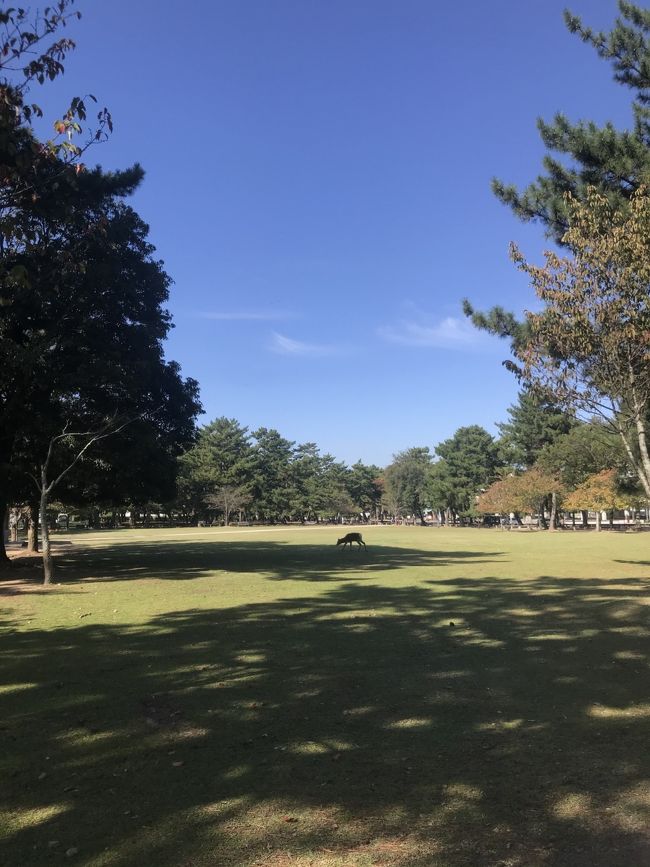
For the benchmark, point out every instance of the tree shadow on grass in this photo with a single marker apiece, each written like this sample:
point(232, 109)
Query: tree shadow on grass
point(634, 562)
point(484, 723)
point(278, 560)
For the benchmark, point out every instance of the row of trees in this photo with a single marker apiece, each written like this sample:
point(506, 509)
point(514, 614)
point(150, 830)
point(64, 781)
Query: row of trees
point(271, 478)
point(543, 459)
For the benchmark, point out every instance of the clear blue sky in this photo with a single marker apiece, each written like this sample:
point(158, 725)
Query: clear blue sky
point(318, 186)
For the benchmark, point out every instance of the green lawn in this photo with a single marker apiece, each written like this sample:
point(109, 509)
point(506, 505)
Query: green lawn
point(186, 698)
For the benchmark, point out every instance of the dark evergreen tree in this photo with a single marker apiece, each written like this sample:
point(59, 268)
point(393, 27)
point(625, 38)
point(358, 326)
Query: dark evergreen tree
point(366, 486)
point(406, 482)
point(81, 336)
point(220, 458)
point(469, 463)
point(583, 154)
point(533, 424)
point(272, 485)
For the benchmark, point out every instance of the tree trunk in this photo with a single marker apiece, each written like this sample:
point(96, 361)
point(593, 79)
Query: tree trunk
point(32, 526)
point(643, 451)
point(585, 518)
point(48, 562)
point(640, 464)
point(541, 521)
point(3, 550)
point(598, 519)
point(552, 524)
point(13, 526)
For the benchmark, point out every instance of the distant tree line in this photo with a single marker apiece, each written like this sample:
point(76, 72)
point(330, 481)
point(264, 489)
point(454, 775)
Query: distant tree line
point(544, 459)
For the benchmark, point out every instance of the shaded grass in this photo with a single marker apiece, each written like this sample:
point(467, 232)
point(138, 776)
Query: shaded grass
point(454, 697)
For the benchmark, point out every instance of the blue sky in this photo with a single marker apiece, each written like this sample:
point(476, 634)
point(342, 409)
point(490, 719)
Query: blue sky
point(318, 186)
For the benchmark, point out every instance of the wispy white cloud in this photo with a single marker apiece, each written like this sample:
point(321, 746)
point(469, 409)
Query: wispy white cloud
point(283, 345)
point(449, 333)
point(247, 315)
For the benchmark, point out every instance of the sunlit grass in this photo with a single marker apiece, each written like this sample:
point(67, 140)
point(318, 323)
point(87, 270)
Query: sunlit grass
point(258, 697)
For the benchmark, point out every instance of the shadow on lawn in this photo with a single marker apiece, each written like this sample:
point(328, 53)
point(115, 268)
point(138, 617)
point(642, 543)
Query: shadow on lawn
point(280, 561)
point(357, 725)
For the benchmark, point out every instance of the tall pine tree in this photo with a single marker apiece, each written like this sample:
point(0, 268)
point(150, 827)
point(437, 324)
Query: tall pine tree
point(584, 154)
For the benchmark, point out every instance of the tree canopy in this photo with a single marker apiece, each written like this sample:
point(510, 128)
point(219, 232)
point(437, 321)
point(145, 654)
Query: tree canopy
point(588, 346)
point(82, 315)
point(583, 154)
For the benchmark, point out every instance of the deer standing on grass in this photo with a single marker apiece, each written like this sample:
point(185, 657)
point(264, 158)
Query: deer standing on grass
point(349, 538)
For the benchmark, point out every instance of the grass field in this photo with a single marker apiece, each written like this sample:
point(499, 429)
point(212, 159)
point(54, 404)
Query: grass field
point(193, 698)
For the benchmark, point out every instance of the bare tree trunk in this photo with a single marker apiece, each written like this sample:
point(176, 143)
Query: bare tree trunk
point(541, 521)
point(48, 562)
point(640, 465)
point(598, 520)
point(552, 524)
point(3, 550)
point(643, 451)
point(32, 526)
point(13, 526)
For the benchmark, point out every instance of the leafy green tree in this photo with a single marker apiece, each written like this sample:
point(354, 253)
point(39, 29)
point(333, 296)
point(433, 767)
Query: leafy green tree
point(468, 463)
point(31, 52)
point(81, 339)
point(365, 486)
point(585, 450)
point(441, 492)
point(308, 495)
point(616, 161)
point(406, 481)
point(331, 486)
point(271, 474)
point(221, 457)
point(534, 423)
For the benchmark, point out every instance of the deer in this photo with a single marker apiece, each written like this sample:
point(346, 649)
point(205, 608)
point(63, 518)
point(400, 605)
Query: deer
point(349, 538)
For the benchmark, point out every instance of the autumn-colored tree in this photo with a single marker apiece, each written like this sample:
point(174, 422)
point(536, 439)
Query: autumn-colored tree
point(600, 492)
point(589, 346)
point(524, 494)
point(501, 498)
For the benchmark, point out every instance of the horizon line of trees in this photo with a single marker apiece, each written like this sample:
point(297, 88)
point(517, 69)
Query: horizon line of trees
point(544, 461)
